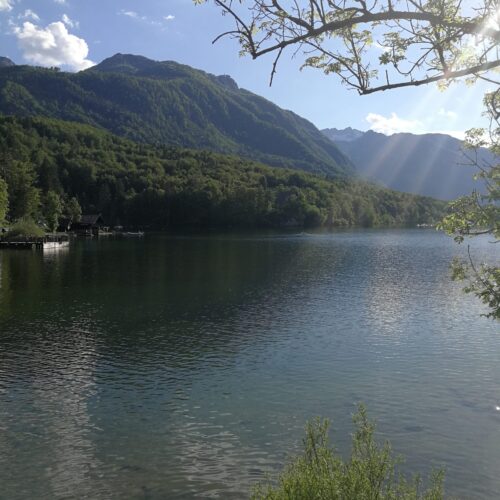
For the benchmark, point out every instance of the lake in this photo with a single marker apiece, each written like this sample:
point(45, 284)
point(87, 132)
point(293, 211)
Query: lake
point(187, 366)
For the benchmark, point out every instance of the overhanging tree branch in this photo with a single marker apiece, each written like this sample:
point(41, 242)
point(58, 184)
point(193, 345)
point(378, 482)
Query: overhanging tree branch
point(445, 76)
point(446, 39)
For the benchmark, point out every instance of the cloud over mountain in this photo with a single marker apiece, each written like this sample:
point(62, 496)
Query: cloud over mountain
point(392, 124)
point(53, 46)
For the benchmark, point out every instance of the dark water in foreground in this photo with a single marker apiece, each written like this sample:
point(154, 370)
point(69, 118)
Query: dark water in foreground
point(176, 367)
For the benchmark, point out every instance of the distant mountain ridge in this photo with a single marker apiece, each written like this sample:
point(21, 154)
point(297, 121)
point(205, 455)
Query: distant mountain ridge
point(346, 135)
point(427, 164)
point(173, 104)
point(141, 66)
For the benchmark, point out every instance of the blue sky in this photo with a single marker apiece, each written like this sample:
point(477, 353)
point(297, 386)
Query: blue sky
point(74, 34)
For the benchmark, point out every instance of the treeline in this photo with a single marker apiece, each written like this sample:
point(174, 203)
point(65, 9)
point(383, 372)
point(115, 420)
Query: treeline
point(52, 167)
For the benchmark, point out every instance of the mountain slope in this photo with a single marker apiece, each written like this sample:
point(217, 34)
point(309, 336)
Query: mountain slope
point(428, 164)
point(169, 103)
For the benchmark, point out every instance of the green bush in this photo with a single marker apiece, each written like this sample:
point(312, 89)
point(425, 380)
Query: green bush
point(370, 473)
point(24, 229)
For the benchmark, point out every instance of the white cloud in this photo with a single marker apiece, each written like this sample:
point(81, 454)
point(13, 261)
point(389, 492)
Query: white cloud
point(6, 5)
point(60, 2)
point(153, 22)
point(393, 124)
point(451, 115)
point(130, 13)
point(381, 47)
point(53, 46)
point(69, 22)
point(29, 14)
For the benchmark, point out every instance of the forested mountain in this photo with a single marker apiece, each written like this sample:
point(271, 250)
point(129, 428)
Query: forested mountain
point(428, 164)
point(44, 161)
point(172, 104)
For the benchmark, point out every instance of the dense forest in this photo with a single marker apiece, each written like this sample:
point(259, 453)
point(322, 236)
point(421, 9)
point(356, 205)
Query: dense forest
point(49, 165)
point(172, 104)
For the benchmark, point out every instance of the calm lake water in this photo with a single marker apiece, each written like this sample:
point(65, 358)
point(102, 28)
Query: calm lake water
point(183, 367)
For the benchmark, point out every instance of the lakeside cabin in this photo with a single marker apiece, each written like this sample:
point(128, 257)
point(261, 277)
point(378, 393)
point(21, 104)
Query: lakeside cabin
point(89, 225)
point(64, 225)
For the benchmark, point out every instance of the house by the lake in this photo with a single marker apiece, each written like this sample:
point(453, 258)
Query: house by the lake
point(89, 225)
point(64, 225)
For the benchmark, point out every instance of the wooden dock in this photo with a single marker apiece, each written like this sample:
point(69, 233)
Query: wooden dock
point(22, 245)
point(49, 241)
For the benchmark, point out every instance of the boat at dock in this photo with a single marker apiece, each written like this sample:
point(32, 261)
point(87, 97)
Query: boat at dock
point(54, 242)
point(137, 234)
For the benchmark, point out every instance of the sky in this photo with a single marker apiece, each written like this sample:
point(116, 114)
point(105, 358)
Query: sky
point(75, 34)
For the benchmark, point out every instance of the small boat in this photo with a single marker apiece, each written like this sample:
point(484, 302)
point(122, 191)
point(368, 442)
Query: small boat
point(133, 234)
point(56, 241)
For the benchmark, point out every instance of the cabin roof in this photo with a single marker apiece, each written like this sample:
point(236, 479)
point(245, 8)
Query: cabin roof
point(91, 219)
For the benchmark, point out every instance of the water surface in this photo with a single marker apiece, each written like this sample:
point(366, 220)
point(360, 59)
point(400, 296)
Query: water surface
point(181, 367)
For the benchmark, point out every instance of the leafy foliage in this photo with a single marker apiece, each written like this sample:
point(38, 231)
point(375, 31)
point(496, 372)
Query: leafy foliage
point(24, 196)
point(74, 210)
point(482, 281)
point(371, 472)
point(479, 213)
point(160, 187)
point(4, 200)
point(52, 209)
point(169, 103)
point(25, 228)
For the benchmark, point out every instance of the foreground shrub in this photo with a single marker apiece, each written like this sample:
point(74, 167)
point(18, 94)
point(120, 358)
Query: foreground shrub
point(25, 228)
point(370, 473)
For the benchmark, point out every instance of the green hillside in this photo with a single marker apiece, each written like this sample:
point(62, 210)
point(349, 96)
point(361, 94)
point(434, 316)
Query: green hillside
point(160, 187)
point(172, 104)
